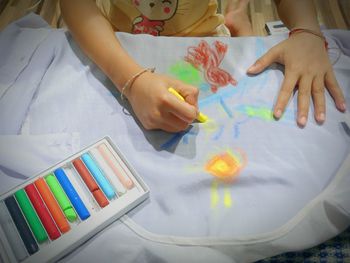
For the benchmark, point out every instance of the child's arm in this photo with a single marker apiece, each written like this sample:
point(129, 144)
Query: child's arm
point(148, 95)
point(306, 63)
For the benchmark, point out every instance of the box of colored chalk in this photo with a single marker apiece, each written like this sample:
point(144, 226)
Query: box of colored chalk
point(55, 211)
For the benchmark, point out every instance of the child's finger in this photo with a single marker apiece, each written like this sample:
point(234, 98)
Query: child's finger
point(181, 109)
point(192, 97)
point(304, 93)
point(188, 92)
point(172, 123)
point(319, 99)
point(270, 57)
point(285, 93)
point(333, 88)
point(165, 121)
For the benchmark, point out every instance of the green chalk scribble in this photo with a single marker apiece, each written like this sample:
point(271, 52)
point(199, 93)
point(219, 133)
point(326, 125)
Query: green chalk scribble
point(186, 73)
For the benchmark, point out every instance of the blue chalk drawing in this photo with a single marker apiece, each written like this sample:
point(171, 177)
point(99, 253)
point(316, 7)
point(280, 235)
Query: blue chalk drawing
point(245, 85)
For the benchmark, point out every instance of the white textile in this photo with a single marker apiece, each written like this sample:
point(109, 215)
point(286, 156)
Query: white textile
point(292, 193)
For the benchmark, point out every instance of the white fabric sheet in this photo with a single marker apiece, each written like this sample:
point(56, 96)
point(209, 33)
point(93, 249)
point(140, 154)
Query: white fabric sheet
point(293, 192)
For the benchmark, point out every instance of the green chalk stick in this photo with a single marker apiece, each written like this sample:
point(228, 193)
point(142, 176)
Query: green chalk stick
point(61, 197)
point(31, 216)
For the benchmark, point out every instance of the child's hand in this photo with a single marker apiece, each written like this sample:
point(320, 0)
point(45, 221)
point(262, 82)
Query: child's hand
point(308, 67)
point(157, 108)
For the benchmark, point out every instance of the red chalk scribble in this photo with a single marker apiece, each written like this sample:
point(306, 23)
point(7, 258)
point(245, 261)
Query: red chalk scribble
point(208, 59)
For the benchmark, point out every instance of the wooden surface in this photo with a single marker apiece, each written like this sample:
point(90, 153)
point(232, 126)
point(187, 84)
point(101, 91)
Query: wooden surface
point(331, 13)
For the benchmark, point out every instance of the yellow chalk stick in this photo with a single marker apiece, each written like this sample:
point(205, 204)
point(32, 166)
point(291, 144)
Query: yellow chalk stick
point(173, 91)
point(201, 117)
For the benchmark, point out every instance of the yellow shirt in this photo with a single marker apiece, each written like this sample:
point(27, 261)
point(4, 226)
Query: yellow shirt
point(165, 17)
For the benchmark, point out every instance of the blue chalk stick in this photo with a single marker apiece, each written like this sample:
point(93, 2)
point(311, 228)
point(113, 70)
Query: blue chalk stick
point(99, 177)
point(72, 194)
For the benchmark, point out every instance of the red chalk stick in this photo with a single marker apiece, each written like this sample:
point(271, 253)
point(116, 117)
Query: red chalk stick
point(42, 212)
point(90, 183)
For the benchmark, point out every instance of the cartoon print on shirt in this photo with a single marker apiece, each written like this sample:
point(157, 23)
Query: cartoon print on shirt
point(153, 15)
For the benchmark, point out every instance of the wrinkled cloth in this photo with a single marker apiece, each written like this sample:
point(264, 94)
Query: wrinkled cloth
point(293, 188)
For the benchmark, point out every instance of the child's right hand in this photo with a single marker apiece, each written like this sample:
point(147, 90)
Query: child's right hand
point(157, 108)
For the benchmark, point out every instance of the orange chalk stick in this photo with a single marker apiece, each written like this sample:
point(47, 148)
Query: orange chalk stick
point(52, 205)
point(90, 183)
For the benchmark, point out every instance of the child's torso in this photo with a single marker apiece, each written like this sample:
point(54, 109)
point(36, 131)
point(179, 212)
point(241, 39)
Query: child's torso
point(163, 17)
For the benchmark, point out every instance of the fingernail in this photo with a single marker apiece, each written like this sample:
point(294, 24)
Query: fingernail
point(252, 68)
point(343, 106)
point(321, 117)
point(302, 121)
point(278, 114)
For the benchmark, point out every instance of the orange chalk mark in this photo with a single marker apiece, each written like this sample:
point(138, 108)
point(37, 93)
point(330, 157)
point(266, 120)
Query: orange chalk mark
point(52, 205)
point(226, 166)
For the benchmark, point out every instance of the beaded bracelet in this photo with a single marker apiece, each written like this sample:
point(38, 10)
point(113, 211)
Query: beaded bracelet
point(315, 33)
point(132, 79)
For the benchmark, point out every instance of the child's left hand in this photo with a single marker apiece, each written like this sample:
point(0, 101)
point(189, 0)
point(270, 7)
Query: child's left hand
point(308, 67)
